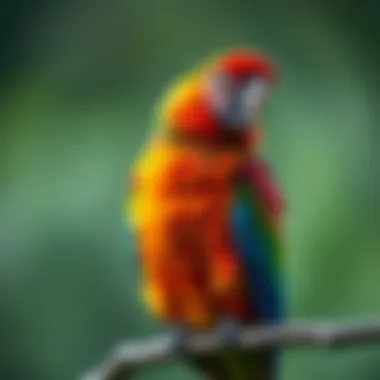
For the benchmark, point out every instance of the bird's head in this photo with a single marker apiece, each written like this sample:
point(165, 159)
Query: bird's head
point(221, 99)
point(237, 85)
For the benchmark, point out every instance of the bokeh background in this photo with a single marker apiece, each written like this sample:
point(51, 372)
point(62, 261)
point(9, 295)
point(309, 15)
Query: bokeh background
point(79, 80)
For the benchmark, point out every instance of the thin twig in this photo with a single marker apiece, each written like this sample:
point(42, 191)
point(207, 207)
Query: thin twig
point(123, 361)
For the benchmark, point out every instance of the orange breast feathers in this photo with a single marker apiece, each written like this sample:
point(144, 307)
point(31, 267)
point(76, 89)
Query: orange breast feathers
point(179, 209)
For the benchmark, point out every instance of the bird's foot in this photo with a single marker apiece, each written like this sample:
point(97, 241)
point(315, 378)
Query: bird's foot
point(228, 331)
point(178, 338)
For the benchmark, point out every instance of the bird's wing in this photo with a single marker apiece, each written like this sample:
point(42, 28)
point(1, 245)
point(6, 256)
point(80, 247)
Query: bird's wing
point(254, 222)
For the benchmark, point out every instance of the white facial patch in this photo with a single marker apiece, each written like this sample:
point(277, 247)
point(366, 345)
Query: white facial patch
point(253, 97)
point(237, 104)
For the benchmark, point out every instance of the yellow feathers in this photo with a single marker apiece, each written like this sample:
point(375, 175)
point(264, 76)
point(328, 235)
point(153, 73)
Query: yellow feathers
point(173, 189)
point(145, 174)
point(182, 88)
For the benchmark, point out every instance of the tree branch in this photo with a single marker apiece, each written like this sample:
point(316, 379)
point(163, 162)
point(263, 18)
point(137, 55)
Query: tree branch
point(128, 356)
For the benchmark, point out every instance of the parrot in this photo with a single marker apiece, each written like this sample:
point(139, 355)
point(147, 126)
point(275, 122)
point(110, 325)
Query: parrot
point(206, 213)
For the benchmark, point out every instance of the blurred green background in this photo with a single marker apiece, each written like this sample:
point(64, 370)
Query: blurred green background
point(79, 80)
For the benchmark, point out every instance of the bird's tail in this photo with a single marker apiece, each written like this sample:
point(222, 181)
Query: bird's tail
point(265, 366)
point(256, 366)
point(238, 365)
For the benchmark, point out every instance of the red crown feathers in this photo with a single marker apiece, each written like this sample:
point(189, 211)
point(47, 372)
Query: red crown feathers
point(240, 63)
